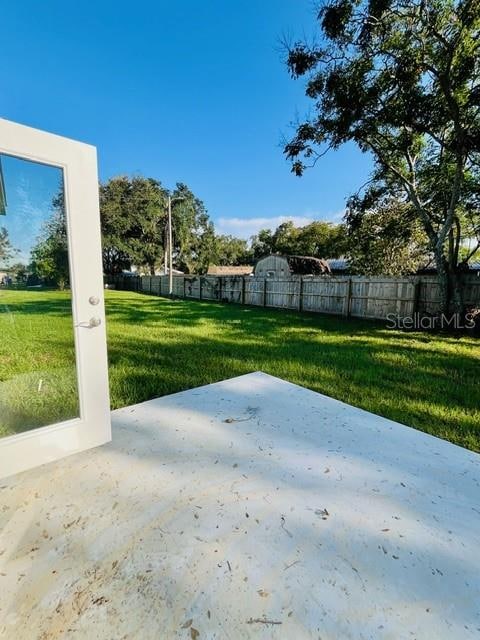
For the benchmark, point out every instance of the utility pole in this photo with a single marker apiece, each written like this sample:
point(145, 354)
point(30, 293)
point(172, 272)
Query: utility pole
point(170, 243)
point(170, 251)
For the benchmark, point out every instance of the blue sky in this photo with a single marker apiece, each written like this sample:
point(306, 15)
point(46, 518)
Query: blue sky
point(181, 91)
point(30, 188)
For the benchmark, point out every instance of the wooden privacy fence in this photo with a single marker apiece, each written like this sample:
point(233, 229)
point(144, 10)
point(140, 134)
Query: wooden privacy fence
point(357, 296)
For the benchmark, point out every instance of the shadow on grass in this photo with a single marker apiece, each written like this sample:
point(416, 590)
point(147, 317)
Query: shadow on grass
point(43, 302)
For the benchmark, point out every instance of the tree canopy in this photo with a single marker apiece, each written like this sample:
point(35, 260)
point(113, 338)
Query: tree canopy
point(50, 254)
point(133, 218)
point(318, 239)
point(232, 251)
point(400, 78)
point(388, 240)
point(194, 233)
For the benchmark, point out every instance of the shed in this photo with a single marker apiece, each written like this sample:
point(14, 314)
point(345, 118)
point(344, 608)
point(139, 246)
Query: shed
point(276, 266)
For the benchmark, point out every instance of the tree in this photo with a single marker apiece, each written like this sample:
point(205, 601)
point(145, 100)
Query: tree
point(193, 232)
point(388, 240)
point(262, 244)
point(135, 226)
point(50, 254)
point(285, 238)
point(231, 251)
point(400, 79)
point(133, 217)
point(19, 273)
point(319, 239)
point(6, 249)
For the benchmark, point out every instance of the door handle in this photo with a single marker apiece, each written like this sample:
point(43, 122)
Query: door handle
point(91, 324)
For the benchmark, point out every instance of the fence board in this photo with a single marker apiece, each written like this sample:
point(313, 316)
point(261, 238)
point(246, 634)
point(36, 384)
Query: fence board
point(357, 296)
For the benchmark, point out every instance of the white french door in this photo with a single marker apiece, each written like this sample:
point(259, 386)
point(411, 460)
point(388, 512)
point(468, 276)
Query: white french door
point(54, 397)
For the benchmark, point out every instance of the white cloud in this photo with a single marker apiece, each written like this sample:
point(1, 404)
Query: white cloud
point(337, 217)
point(246, 227)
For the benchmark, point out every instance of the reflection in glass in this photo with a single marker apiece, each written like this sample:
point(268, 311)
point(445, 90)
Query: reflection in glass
point(38, 382)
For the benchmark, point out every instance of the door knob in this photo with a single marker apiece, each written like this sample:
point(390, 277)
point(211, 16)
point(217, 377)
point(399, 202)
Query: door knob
point(91, 324)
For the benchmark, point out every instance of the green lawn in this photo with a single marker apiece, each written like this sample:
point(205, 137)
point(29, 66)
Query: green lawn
point(37, 360)
point(158, 346)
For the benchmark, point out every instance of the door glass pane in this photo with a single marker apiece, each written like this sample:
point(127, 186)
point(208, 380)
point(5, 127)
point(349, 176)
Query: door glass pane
point(38, 381)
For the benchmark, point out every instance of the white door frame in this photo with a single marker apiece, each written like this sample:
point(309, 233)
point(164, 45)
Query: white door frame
point(79, 164)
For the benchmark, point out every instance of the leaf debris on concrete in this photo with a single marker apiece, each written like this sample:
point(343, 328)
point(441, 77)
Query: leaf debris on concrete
point(263, 621)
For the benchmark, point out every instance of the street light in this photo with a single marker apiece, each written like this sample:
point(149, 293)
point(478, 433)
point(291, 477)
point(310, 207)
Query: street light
point(170, 250)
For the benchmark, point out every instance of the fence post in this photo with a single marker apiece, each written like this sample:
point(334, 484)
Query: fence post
point(242, 299)
point(347, 302)
point(416, 296)
point(300, 295)
point(150, 284)
point(264, 292)
point(184, 287)
point(200, 287)
point(220, 279)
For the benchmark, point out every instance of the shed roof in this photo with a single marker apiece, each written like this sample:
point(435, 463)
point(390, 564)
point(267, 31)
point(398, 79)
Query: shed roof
point(338, 264)
point(228, 270)
point(305, 265)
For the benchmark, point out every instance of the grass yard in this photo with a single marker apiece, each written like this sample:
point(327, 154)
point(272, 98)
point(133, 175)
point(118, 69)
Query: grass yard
point(158, 346)
point(37, 360)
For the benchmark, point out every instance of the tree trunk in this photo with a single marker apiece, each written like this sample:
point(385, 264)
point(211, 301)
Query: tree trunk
point(443, 282)
point(456, 293)
point(455, 281)
point(450, 286)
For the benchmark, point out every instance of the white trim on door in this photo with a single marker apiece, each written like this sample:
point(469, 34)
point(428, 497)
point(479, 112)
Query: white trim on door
point(79, 164)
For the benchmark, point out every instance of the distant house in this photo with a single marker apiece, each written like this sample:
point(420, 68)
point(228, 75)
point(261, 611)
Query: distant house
point(276, 266)
point(242, 270)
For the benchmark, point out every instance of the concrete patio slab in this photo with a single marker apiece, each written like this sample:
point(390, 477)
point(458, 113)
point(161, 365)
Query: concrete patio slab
point(251, 508)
